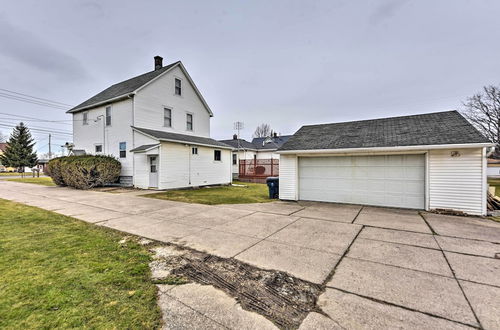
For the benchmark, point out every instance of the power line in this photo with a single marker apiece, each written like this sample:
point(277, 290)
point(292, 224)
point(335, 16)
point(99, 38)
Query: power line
point(46, 120)
point(34, 97)
point(26, 100)
point(37, 127)
point(33, 120)
point(38, 130)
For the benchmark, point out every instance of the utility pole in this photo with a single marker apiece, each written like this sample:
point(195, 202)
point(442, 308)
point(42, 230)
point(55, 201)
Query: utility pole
point(50, 147)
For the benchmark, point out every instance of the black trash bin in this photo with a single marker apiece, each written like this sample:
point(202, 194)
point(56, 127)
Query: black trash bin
point(273, 183)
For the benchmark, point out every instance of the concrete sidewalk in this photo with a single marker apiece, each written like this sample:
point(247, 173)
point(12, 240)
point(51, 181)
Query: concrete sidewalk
point(381, 268)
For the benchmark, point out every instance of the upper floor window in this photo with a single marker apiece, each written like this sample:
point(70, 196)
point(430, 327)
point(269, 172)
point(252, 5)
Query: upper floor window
point(217, 155)
point(98, 148)
point(178, 87)
point(86, 118)
point(167, 117)
point(189, 122)
point(194, 150)
point(108, 116)
point(123, 149)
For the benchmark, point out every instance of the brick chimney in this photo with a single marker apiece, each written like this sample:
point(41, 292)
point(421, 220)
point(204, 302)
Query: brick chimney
point(235, 137)
point(158, 62)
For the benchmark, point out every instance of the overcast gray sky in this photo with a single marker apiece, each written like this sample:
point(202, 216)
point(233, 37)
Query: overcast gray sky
point(286, 63)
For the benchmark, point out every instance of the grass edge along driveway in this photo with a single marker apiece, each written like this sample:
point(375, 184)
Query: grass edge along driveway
point(44, 181)
point(249, 193)
point(58, 272)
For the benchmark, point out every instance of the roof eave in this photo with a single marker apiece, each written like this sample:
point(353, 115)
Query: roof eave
point(180, 141)
point(145, 150)
point(386, 149)
point(98, 104)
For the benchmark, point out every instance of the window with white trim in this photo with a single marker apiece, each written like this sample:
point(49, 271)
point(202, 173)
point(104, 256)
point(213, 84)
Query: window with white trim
point(86, 118)
point(123, 149)
point(235, 159)
point(108, 116)
point(167, 117)
point(98, 148)
point(189, 122)
point(194, 150)
point(178, 86)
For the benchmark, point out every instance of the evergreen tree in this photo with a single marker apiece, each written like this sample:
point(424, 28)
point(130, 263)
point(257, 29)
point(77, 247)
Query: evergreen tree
point(19, 152)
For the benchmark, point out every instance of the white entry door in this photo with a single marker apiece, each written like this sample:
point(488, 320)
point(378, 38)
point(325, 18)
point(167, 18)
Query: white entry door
point(387, 180)
point(153, 171)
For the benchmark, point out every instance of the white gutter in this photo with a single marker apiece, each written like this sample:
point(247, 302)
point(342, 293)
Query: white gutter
point(386, 149)
point(194, 143)
point(95, 105)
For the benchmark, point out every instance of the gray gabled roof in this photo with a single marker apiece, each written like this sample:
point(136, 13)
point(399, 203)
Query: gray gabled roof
point(270, 143)
point(437, 128)
point(122, 88)
point(182, 138)
point(144, 147)
point(241, 143)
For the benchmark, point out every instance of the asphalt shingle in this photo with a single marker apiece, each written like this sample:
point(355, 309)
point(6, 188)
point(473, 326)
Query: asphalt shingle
point(121, 88)
point(183, 138)
point(438, 128)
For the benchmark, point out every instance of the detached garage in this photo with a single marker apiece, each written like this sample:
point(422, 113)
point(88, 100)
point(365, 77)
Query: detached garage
point(430, 161)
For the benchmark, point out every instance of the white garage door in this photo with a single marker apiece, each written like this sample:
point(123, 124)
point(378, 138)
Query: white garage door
point(388, 180)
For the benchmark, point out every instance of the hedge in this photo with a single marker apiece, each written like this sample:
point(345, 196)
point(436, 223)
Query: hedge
point(84, 172)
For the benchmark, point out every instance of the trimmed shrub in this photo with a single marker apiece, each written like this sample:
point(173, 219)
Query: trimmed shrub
point(54, 171)
point(85, 172)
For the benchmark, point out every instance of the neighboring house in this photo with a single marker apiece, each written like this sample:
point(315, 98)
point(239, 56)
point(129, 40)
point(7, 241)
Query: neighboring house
point(429, 161)
point(4, 168)
point(158, 126)
point(42, 165)
point(493, 168)
point(255, 161)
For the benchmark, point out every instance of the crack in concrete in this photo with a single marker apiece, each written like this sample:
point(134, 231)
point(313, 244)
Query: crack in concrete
point(403, 307)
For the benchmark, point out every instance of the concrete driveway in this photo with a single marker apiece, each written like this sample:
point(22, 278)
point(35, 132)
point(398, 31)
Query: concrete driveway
point(381, 268)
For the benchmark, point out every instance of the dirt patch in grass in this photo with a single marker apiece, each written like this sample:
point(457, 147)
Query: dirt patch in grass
point(283, 299)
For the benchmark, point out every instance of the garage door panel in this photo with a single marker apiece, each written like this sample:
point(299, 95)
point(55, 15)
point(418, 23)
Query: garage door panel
point(389, 180)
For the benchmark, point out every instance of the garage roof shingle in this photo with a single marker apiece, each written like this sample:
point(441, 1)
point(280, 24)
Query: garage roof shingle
point(438, 128)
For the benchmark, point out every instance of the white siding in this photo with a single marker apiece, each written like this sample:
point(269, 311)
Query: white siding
point(87, 136)
point(141, 175)
point(150, 101)
point(288, 177)
point(267, 155)
point(179, 168)
point(493, 171)
point(457, 182)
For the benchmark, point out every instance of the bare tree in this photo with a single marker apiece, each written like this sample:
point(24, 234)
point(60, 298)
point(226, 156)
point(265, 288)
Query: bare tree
point(263, 130)
point(483, 111)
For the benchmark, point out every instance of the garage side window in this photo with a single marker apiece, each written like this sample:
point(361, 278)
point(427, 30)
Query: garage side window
point(217, 155)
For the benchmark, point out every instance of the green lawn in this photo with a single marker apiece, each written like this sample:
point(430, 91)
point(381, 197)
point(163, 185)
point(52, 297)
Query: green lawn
point(58, 272)
point(44, 181)
point(14, 173)
point(251, 193)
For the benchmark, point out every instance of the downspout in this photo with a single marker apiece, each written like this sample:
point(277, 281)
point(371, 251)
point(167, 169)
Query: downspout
point(189, 163)
point(131, 96)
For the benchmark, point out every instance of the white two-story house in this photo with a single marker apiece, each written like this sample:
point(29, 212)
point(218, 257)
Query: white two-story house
point(158, 126)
